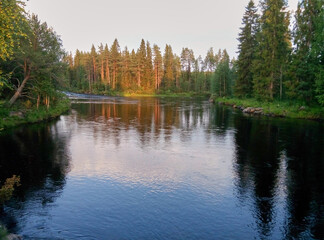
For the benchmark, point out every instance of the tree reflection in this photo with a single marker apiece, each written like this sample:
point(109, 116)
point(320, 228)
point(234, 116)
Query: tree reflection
point(154, 119)
point(262, 147)
point(305, 179)
point(256, 166)
point(39, 155)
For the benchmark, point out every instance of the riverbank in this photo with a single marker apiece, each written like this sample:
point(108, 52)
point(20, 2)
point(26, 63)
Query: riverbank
point(274, 109)
point(17, 115)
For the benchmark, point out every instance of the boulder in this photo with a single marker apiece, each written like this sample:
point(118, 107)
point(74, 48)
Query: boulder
point(16, 114)
point(14, 237)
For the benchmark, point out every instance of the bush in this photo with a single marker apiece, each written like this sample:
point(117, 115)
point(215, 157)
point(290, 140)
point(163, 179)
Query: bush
point(8, 188)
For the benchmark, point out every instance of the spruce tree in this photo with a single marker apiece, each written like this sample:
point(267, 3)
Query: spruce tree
point(247, 48)
point(272, 50)
point(304, 63)
point(318, 52)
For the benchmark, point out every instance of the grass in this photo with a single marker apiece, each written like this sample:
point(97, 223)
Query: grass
point(31, 115)
point(3, 232)
point(290, 109)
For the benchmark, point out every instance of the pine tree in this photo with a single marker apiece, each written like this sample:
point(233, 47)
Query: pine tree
point(148, 70)
point(102, 63)
point(126, 71)
point(168, 67)
point(272, 50)
point(93, 70)
point(107, 69)
point(177, 70)
point(247, 47)
point(141, 59)
point(115, 59)
point(158, 69)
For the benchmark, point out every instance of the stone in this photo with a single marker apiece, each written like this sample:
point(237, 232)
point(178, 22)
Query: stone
point(16, 114)
point(14, 237)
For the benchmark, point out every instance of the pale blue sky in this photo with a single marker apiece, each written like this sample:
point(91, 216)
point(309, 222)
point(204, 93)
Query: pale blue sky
point(182, 23)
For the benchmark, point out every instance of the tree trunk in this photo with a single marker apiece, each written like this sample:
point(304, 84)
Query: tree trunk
point(38, 100)
point(20, 89)
point(280, 82)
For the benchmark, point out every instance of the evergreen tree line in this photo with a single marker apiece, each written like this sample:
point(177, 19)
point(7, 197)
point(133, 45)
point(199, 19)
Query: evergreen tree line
point(276, 63)
point(31, 57)
point(145, 70)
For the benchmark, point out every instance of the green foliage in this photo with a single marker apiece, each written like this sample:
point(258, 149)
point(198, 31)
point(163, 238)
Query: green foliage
point(247, 48)
point(222, 80)
point(8, 188)
point(12, 23)
point(288, 108)
point(320, 87)
point(32, 114)
point(272, 50)
point(3, 232)
point(305, 61)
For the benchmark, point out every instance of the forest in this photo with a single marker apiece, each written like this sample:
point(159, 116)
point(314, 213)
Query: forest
point(280, 57)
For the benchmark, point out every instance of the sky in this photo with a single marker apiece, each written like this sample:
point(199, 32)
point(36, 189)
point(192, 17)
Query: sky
point(196, 24)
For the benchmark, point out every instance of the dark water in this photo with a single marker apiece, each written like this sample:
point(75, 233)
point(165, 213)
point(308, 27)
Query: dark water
point(165, 169)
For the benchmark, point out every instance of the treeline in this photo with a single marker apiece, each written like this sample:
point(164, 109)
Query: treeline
point(276, 63)
point(145, 70)
point(31, 55)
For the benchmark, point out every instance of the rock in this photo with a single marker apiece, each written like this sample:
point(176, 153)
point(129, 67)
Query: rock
point(16, 114)
point(14, 237)
point(247, 110)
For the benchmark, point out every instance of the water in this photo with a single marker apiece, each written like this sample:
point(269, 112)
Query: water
point(157, 168)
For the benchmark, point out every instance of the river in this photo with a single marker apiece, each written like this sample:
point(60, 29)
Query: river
point(164, 168)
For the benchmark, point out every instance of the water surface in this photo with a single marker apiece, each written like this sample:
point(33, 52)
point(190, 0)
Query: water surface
point(159, 168)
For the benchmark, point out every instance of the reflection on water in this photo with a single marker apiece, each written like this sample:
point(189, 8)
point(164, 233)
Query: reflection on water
point(157, 168)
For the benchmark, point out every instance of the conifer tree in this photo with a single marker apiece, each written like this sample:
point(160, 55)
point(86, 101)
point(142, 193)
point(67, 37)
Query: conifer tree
point(272, 51)
point(158, 69)
point(115, 59)
point(126, 71)
point(318, 52)
point(141, 60)
point(102, 63)
point(177, 70)
point(187, 61)
point(149, 74)
point(168, 67)
point(107, 69)
point(93, 63)
point(247, 47)
point(306, 57)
